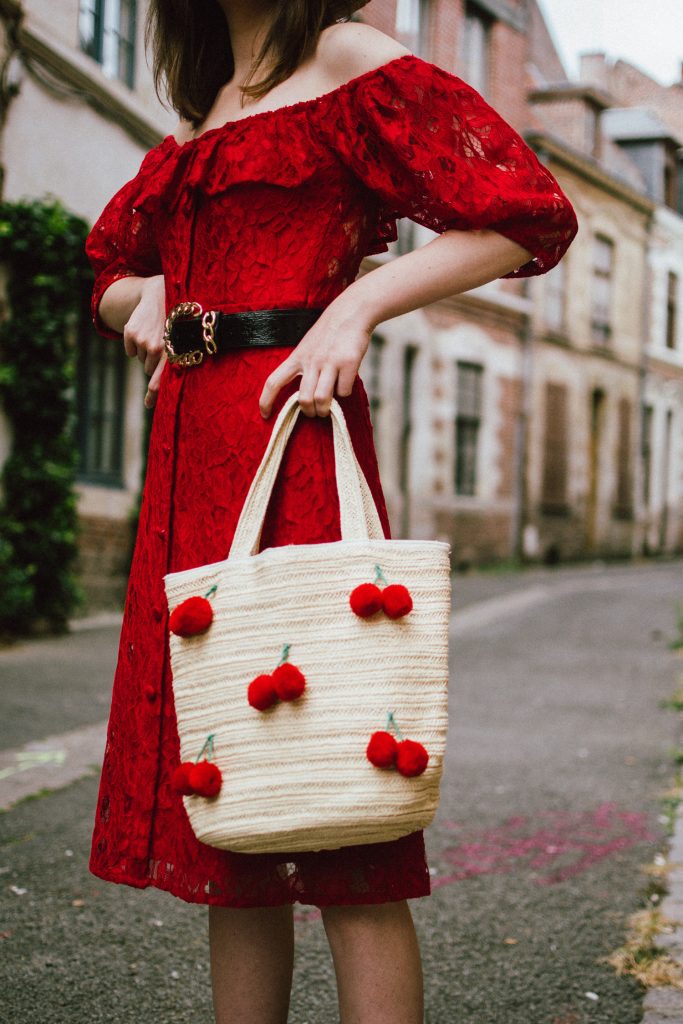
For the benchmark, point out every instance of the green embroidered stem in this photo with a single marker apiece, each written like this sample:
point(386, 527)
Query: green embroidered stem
point(392, 721)
point(213, 590)
point(285, 654)
point(379, 575)
point(208, 742)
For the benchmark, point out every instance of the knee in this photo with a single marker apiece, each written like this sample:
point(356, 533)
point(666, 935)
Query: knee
point(343, 920)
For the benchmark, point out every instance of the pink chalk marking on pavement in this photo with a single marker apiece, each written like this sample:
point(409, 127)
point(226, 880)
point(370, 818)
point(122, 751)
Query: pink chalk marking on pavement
point(565, 844)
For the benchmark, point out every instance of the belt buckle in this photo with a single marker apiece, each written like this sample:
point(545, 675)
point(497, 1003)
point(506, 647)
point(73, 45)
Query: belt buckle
point(193, 358)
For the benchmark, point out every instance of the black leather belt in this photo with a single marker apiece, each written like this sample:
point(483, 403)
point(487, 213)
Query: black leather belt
point(191, 333)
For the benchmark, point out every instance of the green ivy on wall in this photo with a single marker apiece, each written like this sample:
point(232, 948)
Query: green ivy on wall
point(42, 253)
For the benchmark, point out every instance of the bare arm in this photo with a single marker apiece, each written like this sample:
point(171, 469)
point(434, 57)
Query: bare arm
point(329, 356)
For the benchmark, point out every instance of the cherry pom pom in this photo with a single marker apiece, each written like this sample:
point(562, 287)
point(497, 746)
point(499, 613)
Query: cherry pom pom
point(382, 749)
point(205, 778)
point(396, 601)
point(192, 616)
point(411, 758)
point(365, 600)
point(261, 692)
point(180, 779)
point(289, 681)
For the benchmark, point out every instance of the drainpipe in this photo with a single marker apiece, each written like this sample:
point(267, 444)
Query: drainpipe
point(638, 541)
point(520, 496)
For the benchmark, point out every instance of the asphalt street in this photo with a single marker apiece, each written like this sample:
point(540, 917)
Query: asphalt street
point(559, 755)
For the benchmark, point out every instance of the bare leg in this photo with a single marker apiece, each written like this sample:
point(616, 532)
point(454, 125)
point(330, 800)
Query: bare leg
point(252, 958)
point(377, 962)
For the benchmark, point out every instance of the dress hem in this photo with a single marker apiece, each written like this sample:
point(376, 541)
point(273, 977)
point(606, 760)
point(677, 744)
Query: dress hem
point(417, 891)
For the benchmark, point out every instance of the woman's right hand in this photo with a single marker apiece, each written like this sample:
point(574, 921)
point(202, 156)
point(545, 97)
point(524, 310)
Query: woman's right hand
point(143, 332)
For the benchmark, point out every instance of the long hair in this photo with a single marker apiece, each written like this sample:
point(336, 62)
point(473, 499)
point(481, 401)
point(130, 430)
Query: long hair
point(192, 53)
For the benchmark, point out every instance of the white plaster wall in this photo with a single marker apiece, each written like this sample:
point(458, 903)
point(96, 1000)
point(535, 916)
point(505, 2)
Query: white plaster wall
point(411, 329)
point(665, 396)
point(666, 257)
point(67, 150)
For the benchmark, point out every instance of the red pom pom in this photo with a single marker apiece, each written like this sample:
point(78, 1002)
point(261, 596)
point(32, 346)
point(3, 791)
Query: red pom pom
point(289, 681)
point(180, 779)
point(396, 600)
point(205, 778)
point(261, 692)
point(382, 749)
point(191, 617)
point(365, 600)
point(411, 758)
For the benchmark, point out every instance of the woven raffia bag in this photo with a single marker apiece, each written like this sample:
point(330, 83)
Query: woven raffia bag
point(296, 776)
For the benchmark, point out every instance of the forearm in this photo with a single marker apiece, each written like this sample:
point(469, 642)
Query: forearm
point(454, 262)
point(120, 299)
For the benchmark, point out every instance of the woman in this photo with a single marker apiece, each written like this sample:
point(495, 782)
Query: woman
point(271, 204)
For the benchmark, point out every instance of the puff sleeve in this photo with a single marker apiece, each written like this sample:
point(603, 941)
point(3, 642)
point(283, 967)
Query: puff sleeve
point(122, 242)
point(430, 148)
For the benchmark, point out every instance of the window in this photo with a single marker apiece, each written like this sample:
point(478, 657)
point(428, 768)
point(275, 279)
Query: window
point(623, 506)
point(374, 379)
point(474, 52)
point(646, 452)
point(601, 305)
point(100, 407)
point(555, 285)
point(554, 485)
point(671, 309)
point(671, 183)
point(406, 235)
point(467, 426)
point(412, 20)
point(107, 34)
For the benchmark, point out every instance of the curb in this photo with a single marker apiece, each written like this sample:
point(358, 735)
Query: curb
point(664, 1005)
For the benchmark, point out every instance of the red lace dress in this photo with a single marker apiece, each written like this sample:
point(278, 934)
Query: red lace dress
point(276, 209)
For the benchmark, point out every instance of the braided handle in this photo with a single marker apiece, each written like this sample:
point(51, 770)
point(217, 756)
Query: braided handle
point(358, 512)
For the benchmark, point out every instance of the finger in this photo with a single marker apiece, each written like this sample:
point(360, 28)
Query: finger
point(130, 347)
point(307, 389)
point(345, 380)
point(153, 386)
point(281, 375)
point(324, 390)
point(152, 361)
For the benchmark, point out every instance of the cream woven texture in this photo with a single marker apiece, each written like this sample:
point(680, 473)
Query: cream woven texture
point(296, 777)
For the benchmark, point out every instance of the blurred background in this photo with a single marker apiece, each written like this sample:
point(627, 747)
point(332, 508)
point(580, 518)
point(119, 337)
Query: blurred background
point(525, 421)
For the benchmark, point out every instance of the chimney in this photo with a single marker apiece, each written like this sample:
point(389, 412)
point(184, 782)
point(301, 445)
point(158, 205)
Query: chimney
point(594, 70)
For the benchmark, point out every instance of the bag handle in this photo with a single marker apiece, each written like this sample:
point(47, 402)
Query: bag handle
point(358, 512)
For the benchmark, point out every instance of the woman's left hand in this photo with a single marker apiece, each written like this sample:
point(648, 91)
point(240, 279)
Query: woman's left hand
point(327, 358)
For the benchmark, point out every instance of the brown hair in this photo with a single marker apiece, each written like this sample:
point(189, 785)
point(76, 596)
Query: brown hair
point(192, 53)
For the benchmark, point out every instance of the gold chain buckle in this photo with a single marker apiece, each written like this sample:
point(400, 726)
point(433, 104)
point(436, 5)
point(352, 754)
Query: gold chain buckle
point(193, 358)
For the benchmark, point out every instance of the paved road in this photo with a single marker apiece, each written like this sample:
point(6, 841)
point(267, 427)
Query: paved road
point(559, 753)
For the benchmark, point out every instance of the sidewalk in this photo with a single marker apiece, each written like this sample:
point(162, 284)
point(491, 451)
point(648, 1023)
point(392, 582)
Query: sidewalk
point(558, 754)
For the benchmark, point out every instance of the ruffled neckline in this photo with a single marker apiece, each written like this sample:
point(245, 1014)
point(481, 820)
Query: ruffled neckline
point(289, 108)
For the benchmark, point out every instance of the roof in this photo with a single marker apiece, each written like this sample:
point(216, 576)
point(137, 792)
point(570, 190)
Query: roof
point(631, 123)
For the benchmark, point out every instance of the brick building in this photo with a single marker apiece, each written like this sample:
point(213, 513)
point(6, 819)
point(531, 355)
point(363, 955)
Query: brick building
point(646, 122)
point(554, 405)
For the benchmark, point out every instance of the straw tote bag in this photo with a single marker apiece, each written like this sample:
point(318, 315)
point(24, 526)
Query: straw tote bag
point(310, 680)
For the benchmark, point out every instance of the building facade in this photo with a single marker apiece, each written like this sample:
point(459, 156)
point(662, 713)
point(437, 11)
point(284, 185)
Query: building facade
point(537, 418)
point(78, 114)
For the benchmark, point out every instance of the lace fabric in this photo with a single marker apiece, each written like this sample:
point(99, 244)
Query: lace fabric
point(276, 209)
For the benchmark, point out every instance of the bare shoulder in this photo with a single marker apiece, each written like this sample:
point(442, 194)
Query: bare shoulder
point(350, 48)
